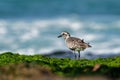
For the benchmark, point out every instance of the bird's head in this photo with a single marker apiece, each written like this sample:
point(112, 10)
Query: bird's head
point(64, 34)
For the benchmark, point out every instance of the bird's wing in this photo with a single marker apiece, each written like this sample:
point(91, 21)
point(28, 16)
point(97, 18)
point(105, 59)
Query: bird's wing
point(77, 40)
point(73, 42)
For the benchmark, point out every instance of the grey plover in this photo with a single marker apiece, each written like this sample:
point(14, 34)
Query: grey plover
point(73, 43)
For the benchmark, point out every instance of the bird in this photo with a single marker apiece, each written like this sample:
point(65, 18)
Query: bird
point(74, 43)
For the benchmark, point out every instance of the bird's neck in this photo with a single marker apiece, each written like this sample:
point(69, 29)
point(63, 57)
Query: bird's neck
point(67, 37)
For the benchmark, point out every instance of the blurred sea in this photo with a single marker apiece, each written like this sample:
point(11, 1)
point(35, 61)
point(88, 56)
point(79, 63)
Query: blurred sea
point(32, 26)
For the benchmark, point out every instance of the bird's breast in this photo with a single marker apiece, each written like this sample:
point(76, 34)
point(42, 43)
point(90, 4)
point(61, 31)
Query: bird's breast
point(70, 44)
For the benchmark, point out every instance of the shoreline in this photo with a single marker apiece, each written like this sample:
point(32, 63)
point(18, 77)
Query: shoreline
point(84, 55)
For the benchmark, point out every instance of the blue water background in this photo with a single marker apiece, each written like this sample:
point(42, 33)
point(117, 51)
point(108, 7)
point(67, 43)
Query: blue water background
point(32, 26)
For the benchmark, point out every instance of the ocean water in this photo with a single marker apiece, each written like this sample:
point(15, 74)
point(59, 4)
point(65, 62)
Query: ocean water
point(32, 26)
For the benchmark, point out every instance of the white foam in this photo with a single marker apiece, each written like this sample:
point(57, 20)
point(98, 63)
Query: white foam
point(75, 25)
point(27, 30)
point(3, 30)
point(92, 37)
point(105, 51)
point(46, 50)
point(30, 35)
point(28, 51)
point(41, 23)
point(117, 24)
point(97, 26)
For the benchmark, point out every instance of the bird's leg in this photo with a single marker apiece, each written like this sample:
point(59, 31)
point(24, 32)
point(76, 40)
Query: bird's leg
point(79, 54)
point(74, 53)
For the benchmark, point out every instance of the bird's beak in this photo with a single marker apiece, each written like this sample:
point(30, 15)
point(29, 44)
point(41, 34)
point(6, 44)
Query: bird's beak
point(59, 36)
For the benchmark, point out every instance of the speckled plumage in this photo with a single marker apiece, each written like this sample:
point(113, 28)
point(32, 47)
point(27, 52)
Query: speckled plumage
point(74, 43)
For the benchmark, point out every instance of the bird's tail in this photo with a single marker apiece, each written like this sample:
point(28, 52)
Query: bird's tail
point(88, 45)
